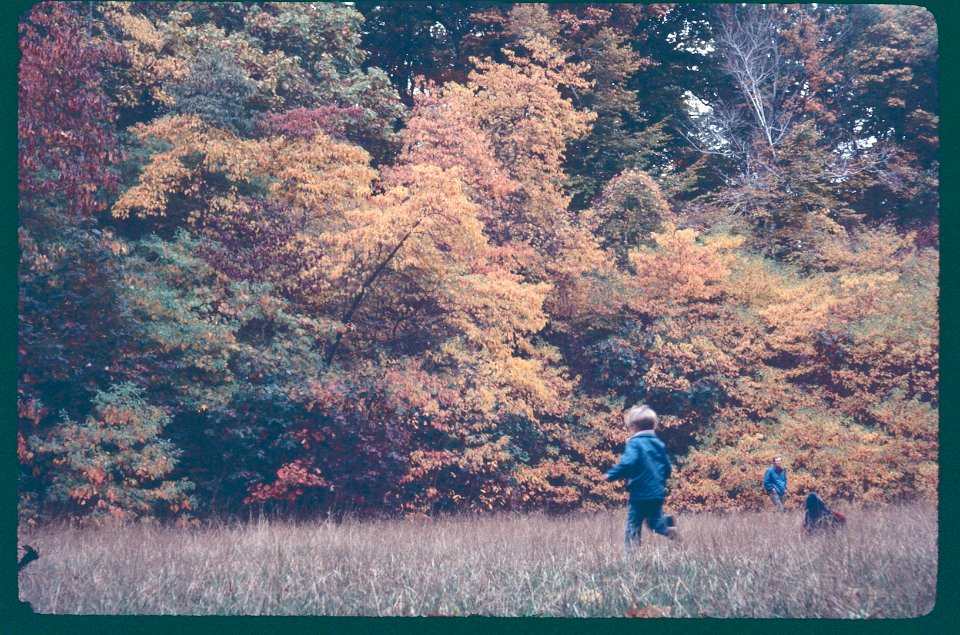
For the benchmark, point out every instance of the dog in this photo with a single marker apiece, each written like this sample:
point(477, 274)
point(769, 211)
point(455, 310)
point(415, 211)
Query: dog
point(30, 555)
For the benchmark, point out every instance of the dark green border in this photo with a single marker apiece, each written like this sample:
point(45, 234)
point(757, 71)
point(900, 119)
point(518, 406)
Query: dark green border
point(18, 618)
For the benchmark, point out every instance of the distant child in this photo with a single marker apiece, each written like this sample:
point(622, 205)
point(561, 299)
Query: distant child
point(818, 516)
point(775, 483)
point(646, 466)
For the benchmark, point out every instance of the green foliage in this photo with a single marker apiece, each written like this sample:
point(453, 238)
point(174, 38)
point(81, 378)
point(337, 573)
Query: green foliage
point(227, 356)
point(622, 138)
point(177, 299)
point(74, 329)
point(630, 207)
point(76, 333)
point(217, 90)
point(292, 55)
point(114, 464)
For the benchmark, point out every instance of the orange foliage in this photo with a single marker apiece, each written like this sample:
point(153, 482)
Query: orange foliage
point(150, 65)
point(825, 369)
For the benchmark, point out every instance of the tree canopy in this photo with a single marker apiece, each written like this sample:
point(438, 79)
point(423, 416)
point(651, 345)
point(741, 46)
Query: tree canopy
point(419, 257)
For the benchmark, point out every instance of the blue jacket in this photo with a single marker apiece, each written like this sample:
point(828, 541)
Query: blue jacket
point(646, 465)
point(772, 480)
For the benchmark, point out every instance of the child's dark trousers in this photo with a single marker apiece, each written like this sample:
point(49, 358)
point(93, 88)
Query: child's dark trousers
point(650, 511)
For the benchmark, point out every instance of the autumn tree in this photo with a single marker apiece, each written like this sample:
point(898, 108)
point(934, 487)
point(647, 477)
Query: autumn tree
point(518, 113)
point(73, 327)
point(308, 299)
point(597, 38)
point(114, 464)
point(457, 355)
point(745, 358)
point(199, 169)
point(442, 257)
point(459, 327)
point(896, 101)
point(432, 40)
point(510, 162)
point(414, 257)
point(293, 55)
point(782, 392)
point(630, 207)
point(66, 142)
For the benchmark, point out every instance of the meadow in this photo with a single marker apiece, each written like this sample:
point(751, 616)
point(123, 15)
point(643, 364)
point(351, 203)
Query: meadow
point(749, 564)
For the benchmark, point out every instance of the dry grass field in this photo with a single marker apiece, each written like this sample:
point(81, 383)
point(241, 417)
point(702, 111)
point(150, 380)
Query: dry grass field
point(736, 565)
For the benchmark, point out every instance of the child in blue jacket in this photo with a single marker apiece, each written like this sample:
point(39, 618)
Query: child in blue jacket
point(646, 466)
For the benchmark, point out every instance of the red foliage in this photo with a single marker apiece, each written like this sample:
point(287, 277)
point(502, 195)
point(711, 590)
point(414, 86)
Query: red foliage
point(304, 123)
point(291, 481)
point(66, 139)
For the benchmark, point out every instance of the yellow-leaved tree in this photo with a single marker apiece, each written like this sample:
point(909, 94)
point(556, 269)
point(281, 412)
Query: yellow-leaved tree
point(809, 367)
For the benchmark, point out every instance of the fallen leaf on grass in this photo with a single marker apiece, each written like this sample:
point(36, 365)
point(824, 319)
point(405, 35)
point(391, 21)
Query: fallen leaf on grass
point(650, 610)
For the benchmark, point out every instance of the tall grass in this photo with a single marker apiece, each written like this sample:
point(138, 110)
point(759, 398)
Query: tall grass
point(884, 564)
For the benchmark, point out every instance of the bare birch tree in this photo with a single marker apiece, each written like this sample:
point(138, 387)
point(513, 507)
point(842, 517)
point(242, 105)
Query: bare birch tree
point(747, 38)
point(747, 42)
